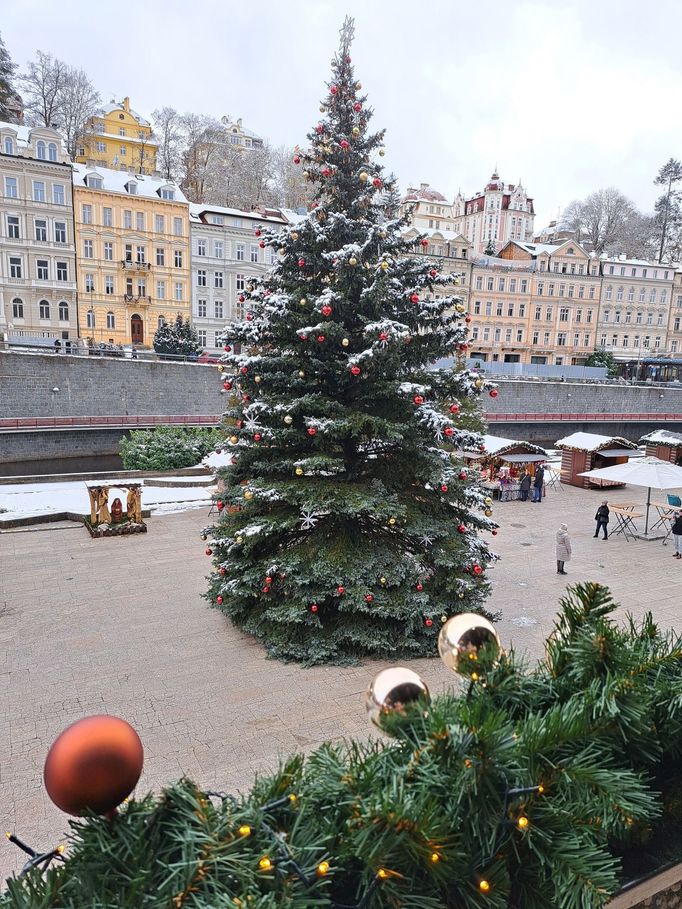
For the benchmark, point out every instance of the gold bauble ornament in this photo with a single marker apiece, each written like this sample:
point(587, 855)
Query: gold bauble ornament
point(364, 176)
point(479, 383)
point(396, 694)
point(256, 378)
point(301, 374)
point(293, 235)
point(382, 234)
point(488, 512)
point(382, 152)
point(460, 307)
point(384, 266)
point(391, 521)
point(382, 580)
point(358, 86)
point(352, 261)
point(356, 131)
point(461, 596)
point(249, 288)
point(239, 539)
point(299, 471)
point(288, 419)
point(302, 301)
point(488, 500)
point(248, 495)
point(345, 342)
point(234, 440)
point(221, 368)
point(462, 639)
point(305, 174)
point(323, 109)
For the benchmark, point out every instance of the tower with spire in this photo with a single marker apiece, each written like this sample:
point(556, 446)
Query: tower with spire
point(499, 213)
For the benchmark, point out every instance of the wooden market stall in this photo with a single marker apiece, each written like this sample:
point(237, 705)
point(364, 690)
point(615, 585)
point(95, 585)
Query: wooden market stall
point(583, 451)
point(503, 462)
point(665, 445)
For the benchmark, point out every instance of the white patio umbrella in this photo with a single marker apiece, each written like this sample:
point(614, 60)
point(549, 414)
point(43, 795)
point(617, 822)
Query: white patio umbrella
point(650, 472)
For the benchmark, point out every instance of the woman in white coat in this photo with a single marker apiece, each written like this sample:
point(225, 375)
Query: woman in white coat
point(563, 549)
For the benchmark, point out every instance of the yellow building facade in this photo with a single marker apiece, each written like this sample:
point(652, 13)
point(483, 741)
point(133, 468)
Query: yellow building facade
point(119, 138)
point(132, 255)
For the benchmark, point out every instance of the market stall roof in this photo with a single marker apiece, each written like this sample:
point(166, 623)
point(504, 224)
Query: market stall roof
point(591, 441)
point(663, 437)
point(498, 447)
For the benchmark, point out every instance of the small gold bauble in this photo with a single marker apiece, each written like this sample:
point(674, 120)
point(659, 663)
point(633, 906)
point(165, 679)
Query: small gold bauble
point(488, 513)
point(234, 440)
point(382, 580)
point(301, 374)
point(352, 261)
point(356, 131)
point(249, 287)
point(239, 539)
point(479, 383)
point(460, 307)
point(256, 378)
point(299, 471)
point(382, 152)
point(461, 596)
point(364, 176)
point(391, 521)
point(248, 495)
point(293, 235)
point(395, 694)
point(305, 174)
point(288, 419)
point(221, 368)
point(463, 637)
point(488, 500)
point(358, 86)
point(382, 234)
point(322, 108)
point(302, 301)
point(345, 342)
point(384, 266)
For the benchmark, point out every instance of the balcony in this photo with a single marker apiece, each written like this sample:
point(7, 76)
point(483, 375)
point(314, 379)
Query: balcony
point(134, 298)
point(129, 265)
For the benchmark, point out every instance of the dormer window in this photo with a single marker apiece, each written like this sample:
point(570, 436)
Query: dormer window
point(166, 192)
point(131, 187)
point(40, 150)
point(92, 181)
point(8, 146)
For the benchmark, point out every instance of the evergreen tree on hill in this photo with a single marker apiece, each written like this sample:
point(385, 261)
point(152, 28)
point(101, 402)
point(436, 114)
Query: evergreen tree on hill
point(7, 92)
point(177, 338)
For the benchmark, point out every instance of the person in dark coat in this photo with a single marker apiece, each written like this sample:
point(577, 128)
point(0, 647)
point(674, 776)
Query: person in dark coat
point(677, 534)
point(525, 486)
point(602, 519)
point(538, 483)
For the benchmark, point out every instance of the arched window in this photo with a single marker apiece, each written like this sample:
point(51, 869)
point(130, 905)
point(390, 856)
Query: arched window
point(161, 321)
point(40, 149)
point(90, 319)
point(619, 293)
point(652, 295)
point(63, 311)
point(52, 151)
point(9, 146)
point(609, 292)
point(17, 308)
point(111, 320)
point(44, 306)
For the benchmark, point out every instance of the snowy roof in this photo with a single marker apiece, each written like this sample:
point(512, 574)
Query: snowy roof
point(617, 260)
point(496, 262)
point(116, 181)
point(118, 105)
point(497, 445)
point(591, 441)
point(23, 133)
point(236, 124)
point(536, 249)
point(423, 194)
point(664, 436)
point(197, 209)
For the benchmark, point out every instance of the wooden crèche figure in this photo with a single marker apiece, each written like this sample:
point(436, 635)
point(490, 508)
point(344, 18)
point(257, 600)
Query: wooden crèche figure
point(99, 505)
point(134, 504)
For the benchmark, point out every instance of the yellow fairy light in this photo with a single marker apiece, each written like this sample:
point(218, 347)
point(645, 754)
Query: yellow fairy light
point(382, 873)
point(435, 857)
point(323, 868)
point(522, 822)
point(244, 830)
point(384, 266)
point(382, 580)
point(60, 849)
point(299, 471)
point(8, 834)
point(467, 763)
point(293, 798)
point(391, 521)
point(265, 864)
point(483, 886)
point(541, 789)
point(474, 676)
point(473, 655)
point(302, 301)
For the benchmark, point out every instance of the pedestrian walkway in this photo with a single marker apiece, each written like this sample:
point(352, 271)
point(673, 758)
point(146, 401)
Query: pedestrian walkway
point(120, 626)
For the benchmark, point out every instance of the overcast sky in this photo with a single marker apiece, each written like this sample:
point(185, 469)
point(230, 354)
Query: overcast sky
point(569, 96)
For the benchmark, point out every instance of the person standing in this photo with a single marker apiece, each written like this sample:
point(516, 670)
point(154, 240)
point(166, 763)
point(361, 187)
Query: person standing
point(563, 549)
point(602, 519)
point(524, 487)
point(677, 534)
point(538, 483)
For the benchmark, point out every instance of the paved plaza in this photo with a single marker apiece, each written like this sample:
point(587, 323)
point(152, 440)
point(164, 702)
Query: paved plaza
point(119, 626)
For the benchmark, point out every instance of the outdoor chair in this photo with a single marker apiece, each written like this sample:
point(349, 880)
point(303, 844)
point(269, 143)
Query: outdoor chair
point(675, 501)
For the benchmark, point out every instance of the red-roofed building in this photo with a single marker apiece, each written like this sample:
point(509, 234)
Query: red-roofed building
point(501, 212)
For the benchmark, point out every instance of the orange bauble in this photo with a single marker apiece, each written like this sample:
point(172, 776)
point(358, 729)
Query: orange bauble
point(93, 765)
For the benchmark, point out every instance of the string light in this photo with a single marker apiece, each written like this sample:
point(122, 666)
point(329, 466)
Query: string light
point(265, 864)
point(293, 798)
point(244, 830)
point(323, 868)
point(435, 857)
point(484, 886)
point(382, 874)
point(60, 849)
point(541, 789)
point(522, 822)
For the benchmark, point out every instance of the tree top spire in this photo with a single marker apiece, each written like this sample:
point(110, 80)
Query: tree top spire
point(347, 33)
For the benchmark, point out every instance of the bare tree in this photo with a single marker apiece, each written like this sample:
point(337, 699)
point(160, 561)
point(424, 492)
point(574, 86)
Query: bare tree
point(601, 218)
point(78, 102)
point(290, 190)
point(168, 133)
point(42, 85)
point(201, 142)
point(667, 207)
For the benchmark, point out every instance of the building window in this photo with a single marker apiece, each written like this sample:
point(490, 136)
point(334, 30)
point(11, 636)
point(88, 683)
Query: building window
point(562, 290)
point(642, 294)
point(17, 308)
point(178, 290)
point(563, 314)
point(9, 146)
point(11, 189)
point(90, 319)
point(578, 315)
point(486, 334)
point(522, 309)
point(44, 309)
point(40, 150)
point(240, 252)
point(498, 309)
point(218, 308)
point(58, 196)
point(635, 343)
point(240, 281)
point(201, 247)
point(614, 341)
point(536, 337)
point(576, 340)
point(489, 283)
point(626, 340)
point(586, 341)
point(90, 283)
point(177, 227)
point(63, 311)
point(609, 292)
point(15, 267)
point(129, 287)
point(62, 271)
point(548, 314)
point(139, 220)
point(109, 285)
point(519, 335)
point(201, 308)
point(111, 320)
point(254, 253)
point(107, 217)
point(141, 287)
point(161, 321)
point(129, 252)
point(631, 294)
point(168, 194)
point(561, 339)
point(39, 191)
point(160, 290)
point(100, 146)
point(664, 295)
point(87, 214)
point(659, 320)
point(538, 313)
point(652, 295)
point(201, 277)
point(498, 334)
point(218, 279)
point(619, 293)
point(545, 338)
point(474, 333)
point(201, 334)
point(95, 182)
point(510, 309)
point(591, 294)
point(42, 268)
point(570, 290)
point(647, 341)
point(13, 227)
point(128, 219)
point(512, 285)
point(477, 308)
point(649, 318)
point(616, 317)
point(87, 249)
point(550, 290)
point(160, 256)
point(141, 254)
point(218, 249)
point(479, 282)
point(178, 258)
point(606, 315)
point(628, 316)
point(109, 251)
point(508, 336)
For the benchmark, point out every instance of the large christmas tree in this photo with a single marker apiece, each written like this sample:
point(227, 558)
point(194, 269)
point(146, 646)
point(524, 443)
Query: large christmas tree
point(354, 531)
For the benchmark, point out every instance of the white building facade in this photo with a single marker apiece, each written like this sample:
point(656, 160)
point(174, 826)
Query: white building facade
point(38, 301)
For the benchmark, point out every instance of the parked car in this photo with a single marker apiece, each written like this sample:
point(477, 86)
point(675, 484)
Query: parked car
point(208, 358)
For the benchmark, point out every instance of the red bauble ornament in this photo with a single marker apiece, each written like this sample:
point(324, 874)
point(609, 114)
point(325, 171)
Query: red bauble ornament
point(494, 533)
point(208, 550)
point(268, 580)
point(419, 586)
point(227, 348)
point(383, 336)
point(428, 622)
point(258, 231)
point(414, 298)
point(449, 431)
point(462, 528)
point(355, 370)
point(93, 765)
point(493, 392)
point(443, 487)
point(326, 310)
point(301, 263)
point(248, 317)
point(312, 431)
point(303, 337)
point(433, 272)
point(257, 437)
point(227, 385)
point(221, 571)
point(376, 182)
point(368, 598)
point(357, 107)
point(418, 400)
point(314, 607)
point(243, 370)
point(220, 505)
point(467, 319)
point(266, 589)
point(239, 424)
point(424, 242)
point(333, 90)
point(246, 397)
point(481, 447)
point(320, 339)
point(464, 347)
point(319, 129)
point(241, 298)
point(462, 475)
point(262, 244)
point(344, 143)
point(219, 600)
point(326, 172)
point(340, 590)
point(297, 160)
point(477, 569)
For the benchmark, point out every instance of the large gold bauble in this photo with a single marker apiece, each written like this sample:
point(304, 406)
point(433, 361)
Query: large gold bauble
point(364, 176)
point(382, 580)
point(382, 152)
point(221, 368)
point(488, 512)
point(248, 495)
point(488, 500)
point(395, 694)
point(352, 261)
point(299, 471)
point(301, 374)
point(479, 383)
point(461, 640)
point(356, 131)
point(345, 342)
point(460, 307)
point(234, 440)
point(249, 288)
point(256, 379)
point(358, 86)
point(239, 539)
point(293, 235)
point(383, 266)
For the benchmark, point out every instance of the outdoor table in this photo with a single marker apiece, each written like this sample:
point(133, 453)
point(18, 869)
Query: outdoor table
point(625, 522)
point(665, 515)
point(552, 479)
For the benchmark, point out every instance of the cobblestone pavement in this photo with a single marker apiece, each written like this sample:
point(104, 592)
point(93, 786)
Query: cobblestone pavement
point(119, 626)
